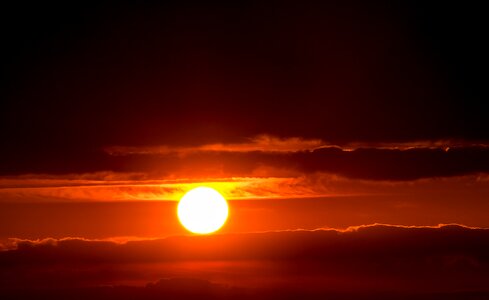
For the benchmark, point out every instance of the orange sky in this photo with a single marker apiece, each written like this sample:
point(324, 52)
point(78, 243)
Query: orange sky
point(113, 208)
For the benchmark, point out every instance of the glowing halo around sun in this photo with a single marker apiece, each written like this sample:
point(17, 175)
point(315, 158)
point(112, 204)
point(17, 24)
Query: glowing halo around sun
point(202, 210)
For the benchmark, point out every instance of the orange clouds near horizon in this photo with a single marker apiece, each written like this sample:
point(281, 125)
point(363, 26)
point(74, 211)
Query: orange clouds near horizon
point(105, 209)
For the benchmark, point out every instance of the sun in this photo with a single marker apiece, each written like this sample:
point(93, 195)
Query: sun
point(202, 210)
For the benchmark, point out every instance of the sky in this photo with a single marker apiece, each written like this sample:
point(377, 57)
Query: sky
point(349, 138)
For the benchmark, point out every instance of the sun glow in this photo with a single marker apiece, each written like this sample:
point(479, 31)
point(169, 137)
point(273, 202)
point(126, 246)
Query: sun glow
point(202, 210)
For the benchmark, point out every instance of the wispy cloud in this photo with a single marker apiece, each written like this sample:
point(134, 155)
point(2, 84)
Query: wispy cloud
point(56, 188)
point(60, 189)
point(269, 143)
point(263, 143)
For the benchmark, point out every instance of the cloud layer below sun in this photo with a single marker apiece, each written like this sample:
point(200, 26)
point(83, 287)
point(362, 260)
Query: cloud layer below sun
point(364, 259)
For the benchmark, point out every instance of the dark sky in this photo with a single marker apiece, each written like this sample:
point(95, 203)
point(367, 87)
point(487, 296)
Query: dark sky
point(78, 78)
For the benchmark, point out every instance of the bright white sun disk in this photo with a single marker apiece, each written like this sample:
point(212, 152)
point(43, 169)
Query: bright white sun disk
point(202, 210)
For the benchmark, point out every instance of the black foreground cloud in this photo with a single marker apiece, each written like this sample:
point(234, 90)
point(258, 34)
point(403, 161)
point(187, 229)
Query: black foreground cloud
point(362, 163)
point(191, 288)
point(372, 260)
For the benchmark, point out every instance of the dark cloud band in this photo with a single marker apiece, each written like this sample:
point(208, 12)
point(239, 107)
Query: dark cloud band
point(392, 258)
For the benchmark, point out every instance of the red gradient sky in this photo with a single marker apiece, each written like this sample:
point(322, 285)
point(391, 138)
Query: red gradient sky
point(345, 136)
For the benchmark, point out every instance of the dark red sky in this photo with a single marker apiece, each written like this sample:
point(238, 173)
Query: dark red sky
point(305, 116)
point(83, 77)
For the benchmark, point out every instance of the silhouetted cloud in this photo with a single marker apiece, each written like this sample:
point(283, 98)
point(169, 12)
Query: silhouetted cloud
point(263, 143)
point(269, 143)
point(198, 289)
point(301, 157)
point(375, 160)
point(373, 258)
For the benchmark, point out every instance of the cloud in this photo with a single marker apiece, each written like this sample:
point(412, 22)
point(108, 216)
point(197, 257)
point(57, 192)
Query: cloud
point(375, 161)
point(58, 189)
point(373, 258)
point(167, 288)
point(264, 167)
point(256, 204)
point(93, 187)
point(269, 156)
point(269, 143)
point(198, 289)
point(409, 145)
point(262, 143)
